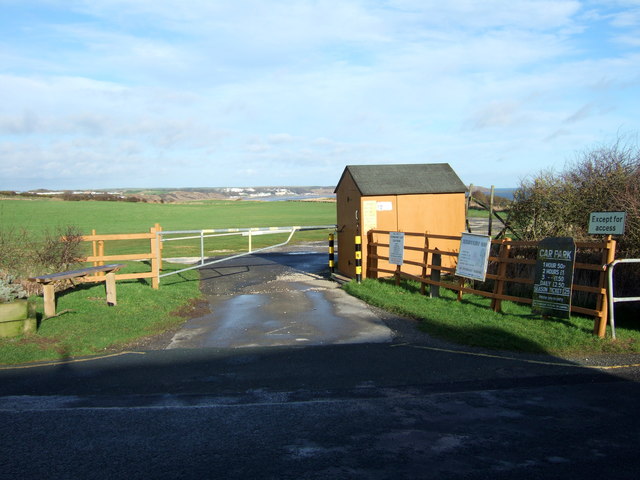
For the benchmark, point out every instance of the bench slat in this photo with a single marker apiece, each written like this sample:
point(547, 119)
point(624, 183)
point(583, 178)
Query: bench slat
point(76, 273)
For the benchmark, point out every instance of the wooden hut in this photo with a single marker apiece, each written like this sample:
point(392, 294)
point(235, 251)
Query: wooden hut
point(422, 198)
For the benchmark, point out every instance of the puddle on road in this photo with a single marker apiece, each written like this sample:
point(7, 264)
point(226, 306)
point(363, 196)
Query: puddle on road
point(323, 317)
point(303, 310)
point(235, 316)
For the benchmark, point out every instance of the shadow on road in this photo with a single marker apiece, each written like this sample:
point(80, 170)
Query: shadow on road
point(345, 411)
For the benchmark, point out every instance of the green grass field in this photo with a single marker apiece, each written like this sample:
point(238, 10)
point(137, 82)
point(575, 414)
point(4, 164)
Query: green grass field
point(124, 217)
point(121, 217)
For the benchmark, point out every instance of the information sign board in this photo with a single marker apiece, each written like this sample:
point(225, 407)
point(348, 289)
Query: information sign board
point(607, 223)
point(369, 216)
point(396, 248)
point(554, 277)
point(473, 256)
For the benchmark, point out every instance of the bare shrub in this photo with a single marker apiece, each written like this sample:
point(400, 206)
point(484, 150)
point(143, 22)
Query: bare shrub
point(23, 256)
point(59, 250)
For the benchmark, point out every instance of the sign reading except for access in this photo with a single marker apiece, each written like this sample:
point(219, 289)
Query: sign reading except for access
point(607, 223)
point(474, 256)
point(396, 248)
point(554, 277)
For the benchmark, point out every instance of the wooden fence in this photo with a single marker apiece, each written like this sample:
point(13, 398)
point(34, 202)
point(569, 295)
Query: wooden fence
point(154, 255)
point(511, 263)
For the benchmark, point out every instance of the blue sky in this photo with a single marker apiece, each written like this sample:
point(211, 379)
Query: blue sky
point(205, 93)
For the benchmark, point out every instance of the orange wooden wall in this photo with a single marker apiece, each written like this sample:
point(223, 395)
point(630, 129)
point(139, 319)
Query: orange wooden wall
point(442, 214)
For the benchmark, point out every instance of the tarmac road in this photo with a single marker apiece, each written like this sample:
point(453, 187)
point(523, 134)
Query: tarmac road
point(362, 411)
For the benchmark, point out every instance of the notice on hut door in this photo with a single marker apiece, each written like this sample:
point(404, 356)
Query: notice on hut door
point(369, 215)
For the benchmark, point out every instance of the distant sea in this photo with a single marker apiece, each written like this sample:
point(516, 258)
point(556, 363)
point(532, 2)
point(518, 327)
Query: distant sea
point(284, 198)
point(500, 192)
point(505, 192)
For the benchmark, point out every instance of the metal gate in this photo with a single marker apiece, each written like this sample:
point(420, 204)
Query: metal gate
point(169, 236)
point(611, 296)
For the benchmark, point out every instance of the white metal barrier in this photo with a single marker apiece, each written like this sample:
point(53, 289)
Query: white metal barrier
point(224, 232)
point(612, 298)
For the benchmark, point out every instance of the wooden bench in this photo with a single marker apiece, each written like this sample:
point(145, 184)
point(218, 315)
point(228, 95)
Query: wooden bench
point(47, 282)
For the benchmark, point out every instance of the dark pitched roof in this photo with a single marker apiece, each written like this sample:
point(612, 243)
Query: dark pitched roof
point(405, 179)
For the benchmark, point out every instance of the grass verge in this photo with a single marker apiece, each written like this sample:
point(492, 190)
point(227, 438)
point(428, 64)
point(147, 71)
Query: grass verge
point(472, 322)
point(90, 327)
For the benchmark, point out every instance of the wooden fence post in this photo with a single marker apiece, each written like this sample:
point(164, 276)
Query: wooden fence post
point(372, 256)
point(608, 256)
point(156, 258)
point(101, 255)
point(491, 210)
point(498, 287)
point(425, 262)
point(436, 261)
point(94, 247)
point(466, 208)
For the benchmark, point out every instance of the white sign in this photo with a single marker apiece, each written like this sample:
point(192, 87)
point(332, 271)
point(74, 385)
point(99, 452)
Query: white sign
point(384, 206)
point(473, 257)
point(607, 223)
point(369, 216)
point(396, 248)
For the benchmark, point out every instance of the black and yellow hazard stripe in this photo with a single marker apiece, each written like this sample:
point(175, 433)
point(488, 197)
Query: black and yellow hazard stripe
point(331, 253)
point(358, 258)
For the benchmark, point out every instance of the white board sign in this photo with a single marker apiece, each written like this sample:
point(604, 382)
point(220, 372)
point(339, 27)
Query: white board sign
point(607, 223)
point(473, 257)
point(369, 216)
point(384, 206)
point(396, 248)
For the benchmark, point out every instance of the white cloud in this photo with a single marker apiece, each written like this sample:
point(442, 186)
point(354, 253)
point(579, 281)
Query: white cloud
point(294, 90)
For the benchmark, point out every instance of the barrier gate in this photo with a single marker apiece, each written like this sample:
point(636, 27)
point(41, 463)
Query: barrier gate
point(168, 236)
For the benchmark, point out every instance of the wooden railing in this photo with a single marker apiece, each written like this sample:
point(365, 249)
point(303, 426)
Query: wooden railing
point(154, 254)
point(512, 262)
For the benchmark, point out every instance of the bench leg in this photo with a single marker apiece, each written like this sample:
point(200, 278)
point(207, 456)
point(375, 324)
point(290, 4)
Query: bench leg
point(110, 285)
point(49, 300)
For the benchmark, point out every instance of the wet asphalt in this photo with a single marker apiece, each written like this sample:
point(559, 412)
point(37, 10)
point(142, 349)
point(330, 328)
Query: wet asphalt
point(278, 298)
